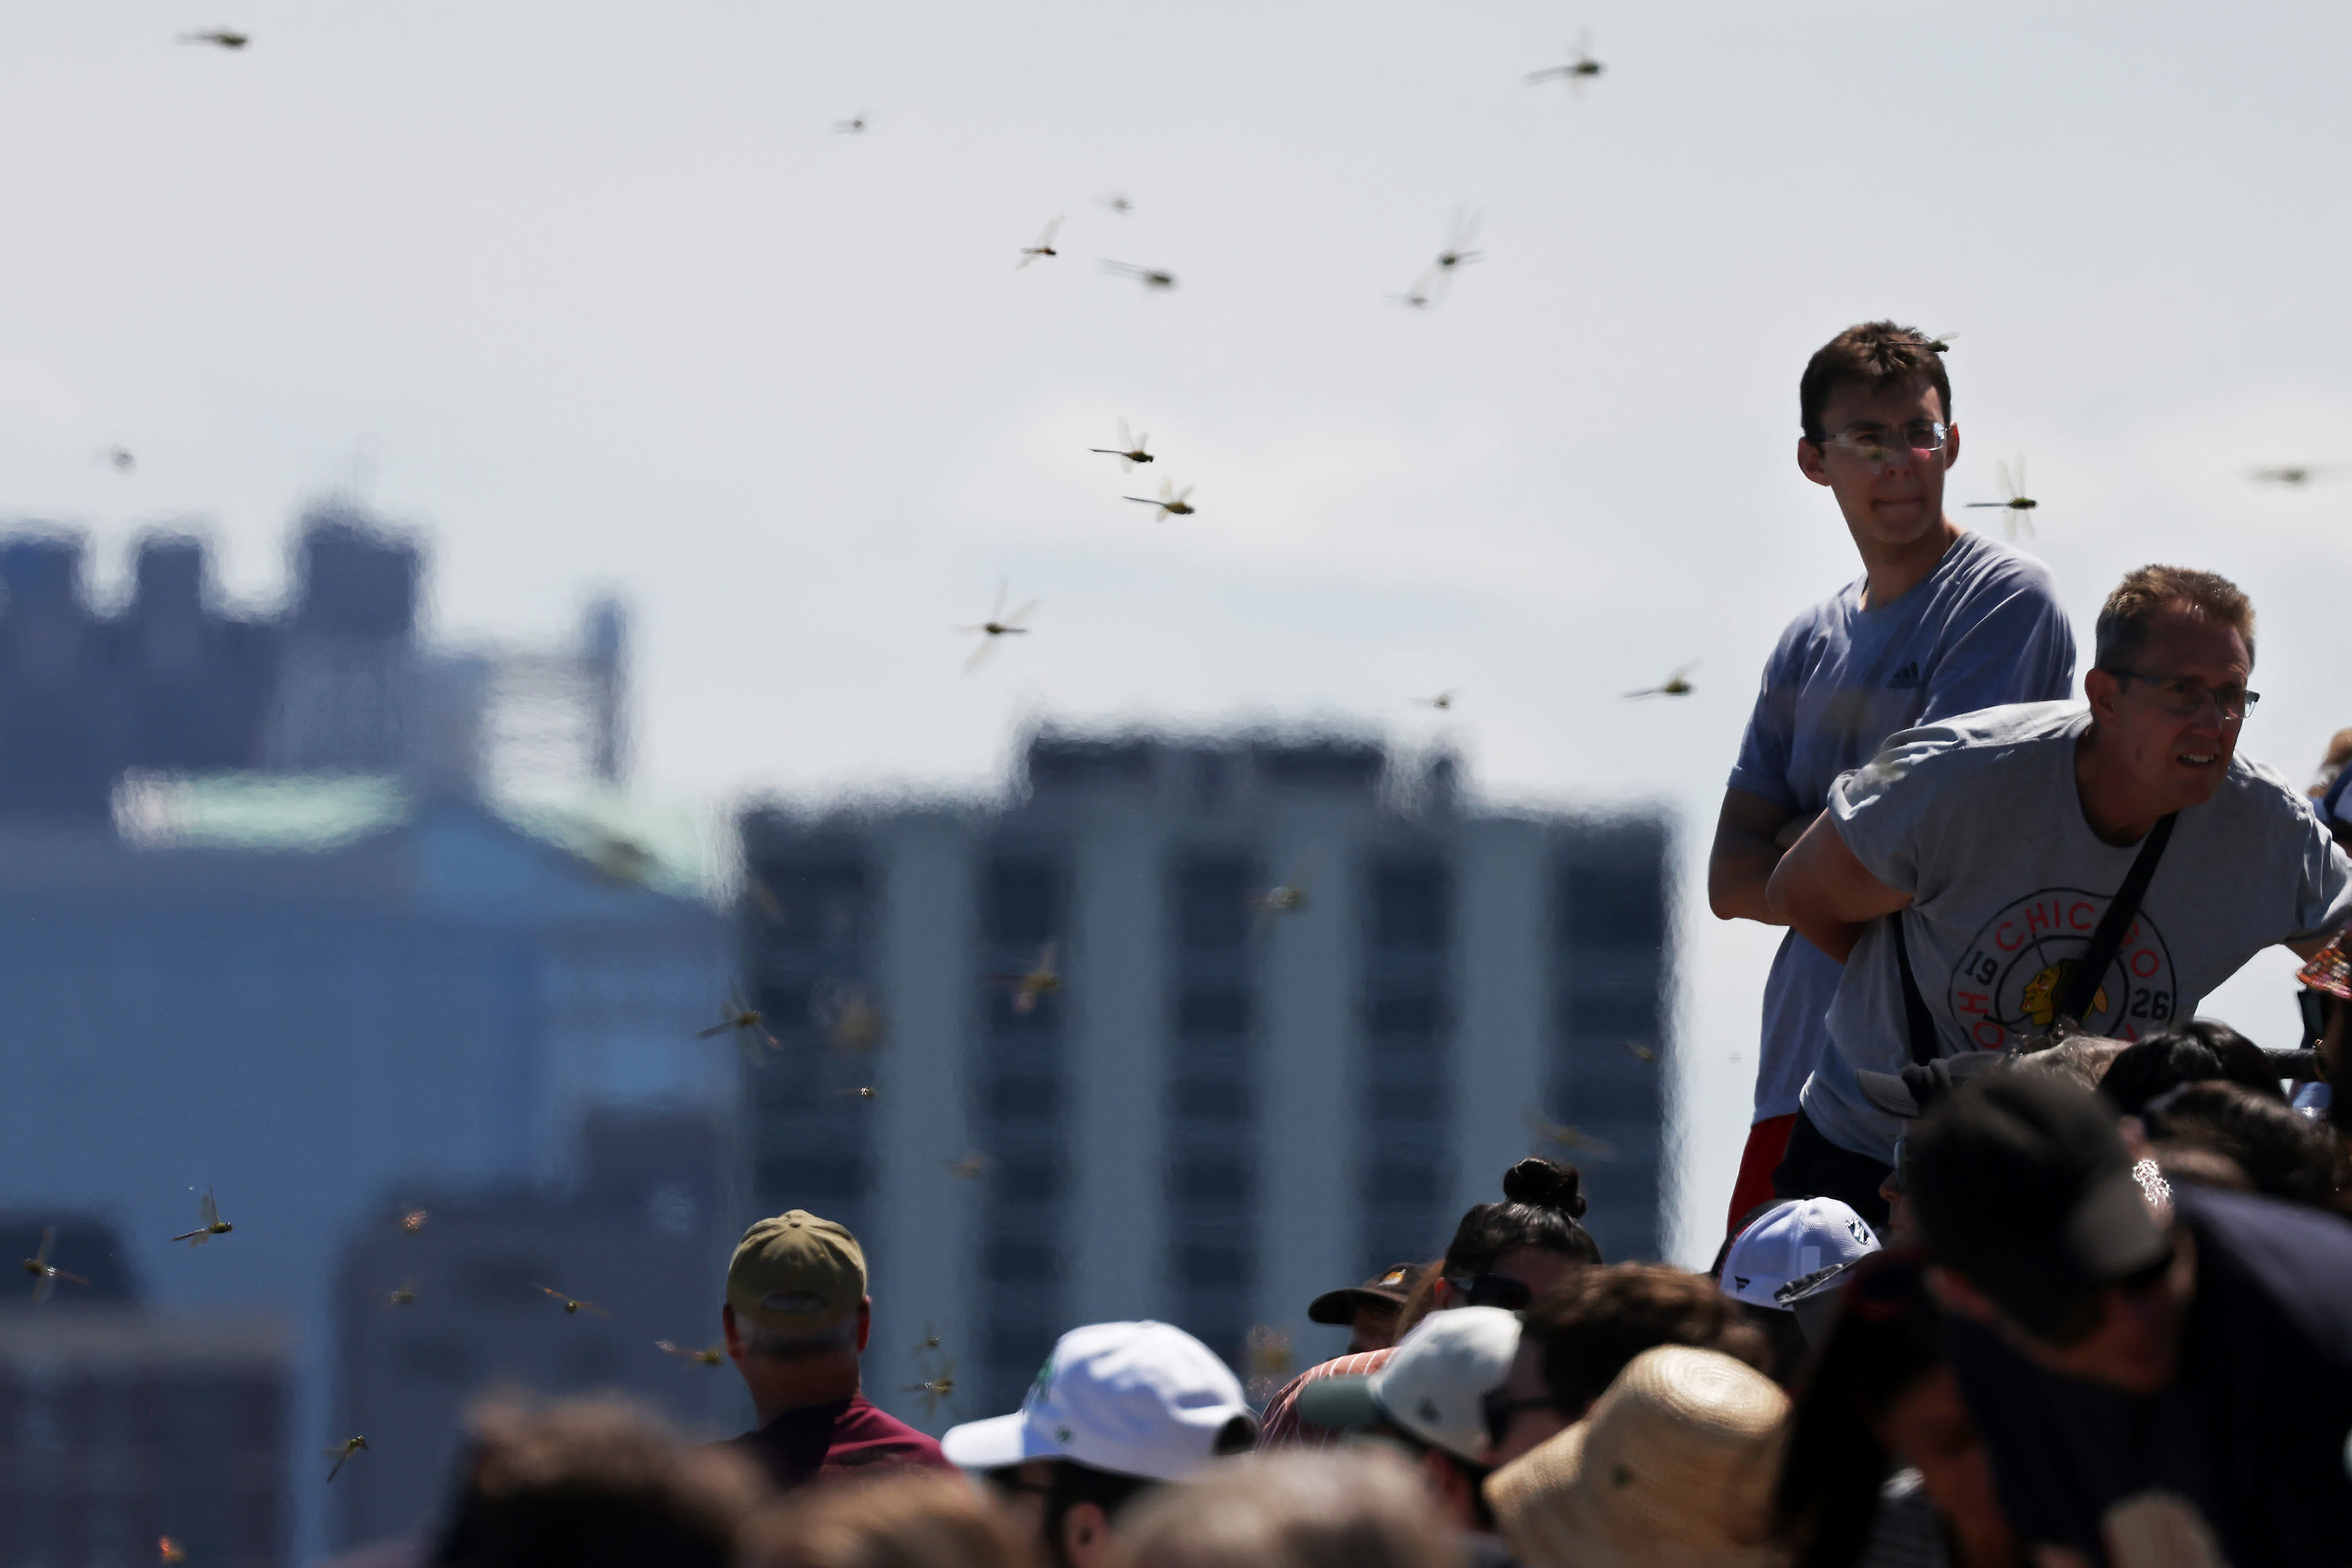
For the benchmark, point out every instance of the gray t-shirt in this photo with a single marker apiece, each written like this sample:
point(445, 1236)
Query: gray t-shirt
point(1981, 629)
point(1979, 820)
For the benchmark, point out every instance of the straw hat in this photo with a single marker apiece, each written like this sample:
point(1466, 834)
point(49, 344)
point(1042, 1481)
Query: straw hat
point(1673, 1467)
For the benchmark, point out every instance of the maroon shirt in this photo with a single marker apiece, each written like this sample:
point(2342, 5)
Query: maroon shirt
point(822, 1442)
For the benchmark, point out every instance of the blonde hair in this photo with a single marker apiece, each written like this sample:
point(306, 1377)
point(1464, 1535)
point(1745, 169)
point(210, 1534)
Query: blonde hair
point(1350, 1508)
point(911, 1519)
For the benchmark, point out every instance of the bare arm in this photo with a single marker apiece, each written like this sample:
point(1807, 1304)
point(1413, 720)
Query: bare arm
point(1750, 835)
point(1822, 890)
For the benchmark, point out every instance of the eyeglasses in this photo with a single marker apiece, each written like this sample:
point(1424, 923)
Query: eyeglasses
point(2186, 695)
point(1878, 444)
point(1491, 1291)
point(1499, 1408)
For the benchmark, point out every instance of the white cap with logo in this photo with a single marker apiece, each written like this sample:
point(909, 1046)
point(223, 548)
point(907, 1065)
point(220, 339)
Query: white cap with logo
point(1432, 1386)
point(1137, 1399)
point(1789, 1241)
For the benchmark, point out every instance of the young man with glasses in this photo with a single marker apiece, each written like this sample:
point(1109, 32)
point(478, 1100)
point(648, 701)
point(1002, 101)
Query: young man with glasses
point(1966, 877)
point(2148, 1365)
point(1941, 621)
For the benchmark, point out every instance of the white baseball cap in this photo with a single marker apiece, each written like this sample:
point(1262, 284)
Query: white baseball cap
point(1138, 1399)
point(1431, 1387)
point(1789, 1241)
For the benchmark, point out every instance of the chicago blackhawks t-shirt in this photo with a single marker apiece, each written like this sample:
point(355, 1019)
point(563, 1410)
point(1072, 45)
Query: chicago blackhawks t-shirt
point(1979, 820)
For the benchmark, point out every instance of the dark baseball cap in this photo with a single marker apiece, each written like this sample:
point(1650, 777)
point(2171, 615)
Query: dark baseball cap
point(1915, 1090)
point(2023, 1184)
point(1386, 1288)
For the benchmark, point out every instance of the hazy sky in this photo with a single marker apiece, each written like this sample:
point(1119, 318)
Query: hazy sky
point(594, 293)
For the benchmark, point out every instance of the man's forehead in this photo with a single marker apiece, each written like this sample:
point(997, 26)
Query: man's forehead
point(1885, 402)
point(2180, 641)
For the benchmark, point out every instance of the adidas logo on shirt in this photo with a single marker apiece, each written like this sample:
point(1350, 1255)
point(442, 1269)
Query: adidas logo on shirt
point(1905, 678)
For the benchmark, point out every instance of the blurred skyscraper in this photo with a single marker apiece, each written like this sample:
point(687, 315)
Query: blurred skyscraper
point(269, 927)
point(336, 681)
point(1223, 1109)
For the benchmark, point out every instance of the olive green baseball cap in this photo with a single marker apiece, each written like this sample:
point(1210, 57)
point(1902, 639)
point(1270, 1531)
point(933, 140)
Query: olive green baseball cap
point(796, 1273)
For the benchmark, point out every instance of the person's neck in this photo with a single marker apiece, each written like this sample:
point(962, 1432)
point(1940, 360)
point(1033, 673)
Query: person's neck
point(2114, 805)
point(785, 1387)
point(1894, 569)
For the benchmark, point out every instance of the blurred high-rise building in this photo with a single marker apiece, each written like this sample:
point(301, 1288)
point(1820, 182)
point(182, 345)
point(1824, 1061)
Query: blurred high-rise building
point(1305, 1006)
point(120, 1427)
point(338, 681)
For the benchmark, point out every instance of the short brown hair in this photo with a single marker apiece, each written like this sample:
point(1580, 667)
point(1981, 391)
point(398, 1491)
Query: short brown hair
point(1596, 1321)
point(1875, 354)
point(2147, 593)
point(1358, 1507)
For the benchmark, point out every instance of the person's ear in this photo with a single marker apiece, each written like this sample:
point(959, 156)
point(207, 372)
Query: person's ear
point(2105, 693)
point(1086, 1535)
point(865, 1322)
point(1810, 461)
point(1951, 447)
point(734, 1335)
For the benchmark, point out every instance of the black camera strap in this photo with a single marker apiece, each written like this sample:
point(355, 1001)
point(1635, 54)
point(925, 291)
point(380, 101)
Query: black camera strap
point(2081, 984)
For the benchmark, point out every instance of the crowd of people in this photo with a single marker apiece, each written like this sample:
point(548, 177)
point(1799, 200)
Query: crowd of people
point(2026, 1264)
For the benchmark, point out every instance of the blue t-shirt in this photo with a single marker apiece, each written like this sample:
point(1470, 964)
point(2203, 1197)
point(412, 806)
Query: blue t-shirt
point(2250, 1438)
point(1982, 629)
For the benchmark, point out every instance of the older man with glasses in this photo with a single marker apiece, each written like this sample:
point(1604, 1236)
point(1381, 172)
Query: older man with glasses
point(2006, 878)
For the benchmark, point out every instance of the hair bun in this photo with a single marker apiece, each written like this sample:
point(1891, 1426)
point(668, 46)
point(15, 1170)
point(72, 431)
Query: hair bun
point(1546, 1185)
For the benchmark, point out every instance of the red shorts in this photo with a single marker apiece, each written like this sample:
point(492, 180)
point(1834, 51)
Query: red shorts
point(1766, 1141)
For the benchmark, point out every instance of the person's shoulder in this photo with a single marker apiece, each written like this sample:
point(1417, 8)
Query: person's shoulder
point(1819, 620)
point(2255, 787)
point(1983, 567)
point(863, 1435)
point(1988, 738)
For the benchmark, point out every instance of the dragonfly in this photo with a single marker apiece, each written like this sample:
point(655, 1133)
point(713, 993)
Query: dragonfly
point(219, 37)
point(571, 1305)
point(1044, 246)
point(1443, 701)
point(1581, 67)
point(2019, 504)
point(709, 1355)
point(120, 459)
point(1287, 897)
point(212, 1225)
point(941, 1387)
point(1677, 685)
point(1130, 449)
point(413, 1221)
point(1041, 980)
point(853, 126)
point(1640, 1052)
point(851, 1022)
point(1149, 277)
point(1420, 296)
point(733, 1015)
point(342, 1453)
point(45, 1273)
point(1171, 502)
point(1268, 1359)
point(1117, 201)
point(1457, 253)
point(2291, 474)
point(403, 1297)
point(1939, 342)
point(930, 1342)
point(1568, 1136)
point(998, 624)
point(970, 1168)
point(864, 1091)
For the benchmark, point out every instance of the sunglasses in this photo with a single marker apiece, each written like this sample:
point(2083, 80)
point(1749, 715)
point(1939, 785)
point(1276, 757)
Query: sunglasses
point(1490, 1291)
point(1500, 1407)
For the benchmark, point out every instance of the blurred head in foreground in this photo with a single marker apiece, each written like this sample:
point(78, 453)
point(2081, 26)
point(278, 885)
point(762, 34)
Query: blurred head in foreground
point(592, 1482)
point(1356, 1508)
point(906, 1518)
